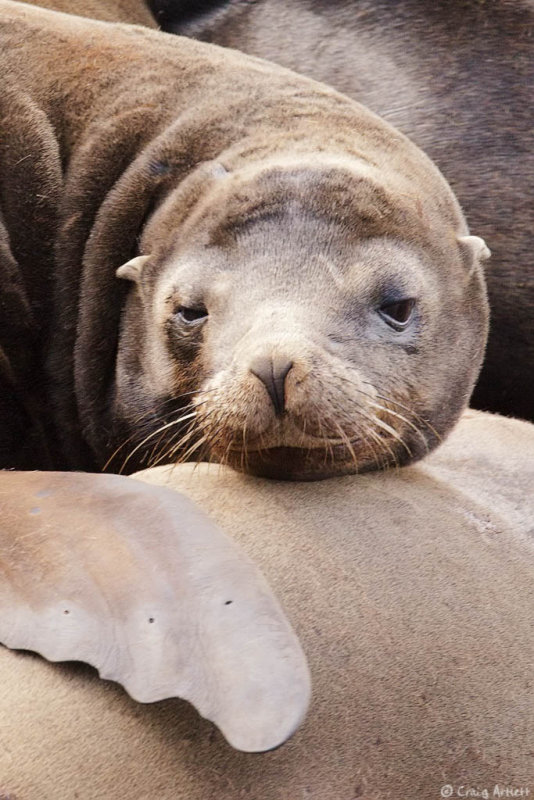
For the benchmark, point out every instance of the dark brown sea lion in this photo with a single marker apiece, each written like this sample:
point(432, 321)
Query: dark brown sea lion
point(303, 297)
point(456, 76)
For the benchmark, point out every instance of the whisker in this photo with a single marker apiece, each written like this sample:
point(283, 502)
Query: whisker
point(195, 446)
point(244, 453)
point(153, 414)
point(410, 411)
point(155, 433)
point(348, 445)
point(211, 426)
point(390, 411)
point(392, 432)
point(134, 435)
point(174, 448)
point(168, 441)
point(369, 431)
point(171, 445)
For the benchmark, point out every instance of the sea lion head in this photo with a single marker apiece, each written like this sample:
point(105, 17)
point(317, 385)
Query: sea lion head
point(300, 320)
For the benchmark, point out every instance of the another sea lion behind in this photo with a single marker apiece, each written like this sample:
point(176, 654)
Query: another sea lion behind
point(302, 297)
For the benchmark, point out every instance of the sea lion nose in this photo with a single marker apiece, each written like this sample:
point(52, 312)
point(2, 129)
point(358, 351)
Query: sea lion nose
point(272, 372)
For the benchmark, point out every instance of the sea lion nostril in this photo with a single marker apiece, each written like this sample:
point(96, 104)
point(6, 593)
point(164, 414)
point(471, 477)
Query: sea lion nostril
point(272, 372)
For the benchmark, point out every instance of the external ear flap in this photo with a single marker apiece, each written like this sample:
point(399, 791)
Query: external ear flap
point(474, 250)
point(219, 170)
point(131, 271)
point(134, 580)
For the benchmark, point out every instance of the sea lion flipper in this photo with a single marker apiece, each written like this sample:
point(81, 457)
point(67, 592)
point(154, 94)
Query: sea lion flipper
point(137, 582)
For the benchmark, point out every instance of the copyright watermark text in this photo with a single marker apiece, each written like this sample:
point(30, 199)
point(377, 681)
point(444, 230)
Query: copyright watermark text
point(497, 790)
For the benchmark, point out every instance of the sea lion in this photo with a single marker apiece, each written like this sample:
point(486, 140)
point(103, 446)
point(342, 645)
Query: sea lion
point(135, 12)
point(457, 77)
point(299, 295)
point(412, 594)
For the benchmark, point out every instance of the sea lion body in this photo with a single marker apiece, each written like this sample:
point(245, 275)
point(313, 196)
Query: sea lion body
point(135, 12)
point(306, 299)
point(457, 77)
point(412, 595)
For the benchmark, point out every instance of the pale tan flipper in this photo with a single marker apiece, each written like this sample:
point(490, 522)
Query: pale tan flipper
point(137, 582)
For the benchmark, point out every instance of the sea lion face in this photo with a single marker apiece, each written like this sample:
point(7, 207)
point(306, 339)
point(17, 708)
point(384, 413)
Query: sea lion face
point(288, 345)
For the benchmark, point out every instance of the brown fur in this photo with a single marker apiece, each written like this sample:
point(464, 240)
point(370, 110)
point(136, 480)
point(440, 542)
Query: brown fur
point(135, 12)
point(412, 594)
point(119, 140)
point(457, 77)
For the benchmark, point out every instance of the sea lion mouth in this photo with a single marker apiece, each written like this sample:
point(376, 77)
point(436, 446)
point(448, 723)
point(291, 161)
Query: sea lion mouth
point(298, 463)
point(292, 446)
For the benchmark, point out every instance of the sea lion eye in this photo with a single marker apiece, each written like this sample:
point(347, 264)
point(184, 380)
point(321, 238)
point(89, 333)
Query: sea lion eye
point(398, 313)
point(192, 315)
